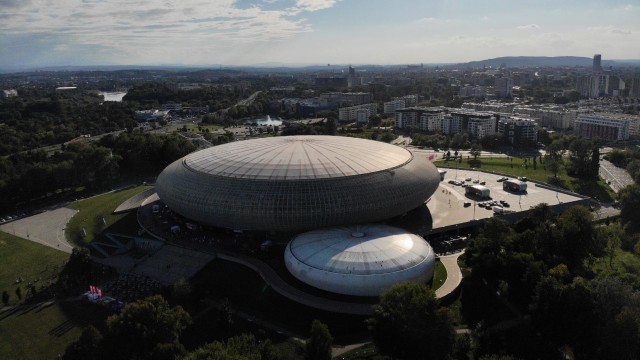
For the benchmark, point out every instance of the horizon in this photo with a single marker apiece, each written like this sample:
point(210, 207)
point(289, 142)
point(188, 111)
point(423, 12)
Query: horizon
point(292, 33)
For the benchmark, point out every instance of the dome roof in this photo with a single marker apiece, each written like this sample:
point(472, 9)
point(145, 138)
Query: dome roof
point(297, 157)
point(360, 249)
point(361, 260)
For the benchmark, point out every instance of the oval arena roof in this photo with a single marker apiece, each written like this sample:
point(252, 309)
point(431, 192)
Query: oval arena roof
point(297, 158)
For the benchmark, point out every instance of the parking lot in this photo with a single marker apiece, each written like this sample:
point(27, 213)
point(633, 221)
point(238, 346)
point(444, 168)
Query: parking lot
point(450, 205)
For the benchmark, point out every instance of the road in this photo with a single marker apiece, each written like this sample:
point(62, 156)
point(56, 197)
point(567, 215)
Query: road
point(616, 177)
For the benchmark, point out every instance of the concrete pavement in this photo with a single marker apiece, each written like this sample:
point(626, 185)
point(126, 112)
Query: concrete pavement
point(454, 275)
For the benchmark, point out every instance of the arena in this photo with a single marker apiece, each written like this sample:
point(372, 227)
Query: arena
point(297, 183)
point(359, 260)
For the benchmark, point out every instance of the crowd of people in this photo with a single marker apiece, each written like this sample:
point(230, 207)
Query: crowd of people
point(130, 287)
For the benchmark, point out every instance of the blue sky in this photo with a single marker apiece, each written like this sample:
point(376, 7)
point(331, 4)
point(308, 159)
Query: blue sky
point(246, 32)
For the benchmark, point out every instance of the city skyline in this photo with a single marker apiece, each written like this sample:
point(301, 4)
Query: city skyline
point(39, 33)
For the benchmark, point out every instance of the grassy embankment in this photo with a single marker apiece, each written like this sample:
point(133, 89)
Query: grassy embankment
point(439, 276)
point(34, 331)
point(516, 167)
point(92, 211)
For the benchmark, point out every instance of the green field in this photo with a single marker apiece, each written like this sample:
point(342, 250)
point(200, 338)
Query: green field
point(40, 332)
point(439, 276)
point(32, 262)
point(93, 210)
point(625, 265)
point(516, 167)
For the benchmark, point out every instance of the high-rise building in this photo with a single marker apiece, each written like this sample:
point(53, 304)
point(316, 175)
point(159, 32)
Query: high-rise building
point(518, 130)
point(635, 87)
point(597, 63)
point(503, 87)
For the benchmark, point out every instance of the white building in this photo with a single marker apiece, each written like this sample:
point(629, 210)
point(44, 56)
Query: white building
point(606, 126)
point(390, 107)
point(8, 93)
point(351, 113)
point(480, 127)
point(518, 130)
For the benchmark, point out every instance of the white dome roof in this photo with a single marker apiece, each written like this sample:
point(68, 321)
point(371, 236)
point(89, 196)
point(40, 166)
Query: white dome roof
point(359, 260)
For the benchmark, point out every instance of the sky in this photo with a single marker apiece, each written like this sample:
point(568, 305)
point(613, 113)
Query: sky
point(37, 33)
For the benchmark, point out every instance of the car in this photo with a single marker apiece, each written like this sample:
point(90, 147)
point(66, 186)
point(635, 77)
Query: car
point(476, 181)
point(522, 178)
point(503, 179)
point(452, 182)
point(483, 183)
point(467, 204)
point(468, 179)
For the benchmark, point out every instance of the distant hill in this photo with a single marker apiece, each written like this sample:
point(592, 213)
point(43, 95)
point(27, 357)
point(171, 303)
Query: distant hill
point(536, 61)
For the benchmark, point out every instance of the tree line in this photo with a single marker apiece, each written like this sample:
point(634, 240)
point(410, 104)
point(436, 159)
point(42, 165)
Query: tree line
point(38, 175)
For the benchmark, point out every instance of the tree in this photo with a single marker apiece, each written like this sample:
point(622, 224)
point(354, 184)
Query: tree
point(553, 159)
point(318, 347)
point(142, 326)
point(581, 152)
point(19, 293)
point(629, 199)
point(475, 151)
point(408, 324)
point(5, 297)
point(86, 347)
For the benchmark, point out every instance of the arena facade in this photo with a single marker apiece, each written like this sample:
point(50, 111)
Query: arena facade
point(334, 186)
point(297, 183)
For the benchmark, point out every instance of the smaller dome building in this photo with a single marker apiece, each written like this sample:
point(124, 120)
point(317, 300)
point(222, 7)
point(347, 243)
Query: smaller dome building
point(360, 260)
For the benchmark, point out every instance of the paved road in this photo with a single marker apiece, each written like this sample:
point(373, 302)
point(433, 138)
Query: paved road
point(616, 177)
point(46, 228)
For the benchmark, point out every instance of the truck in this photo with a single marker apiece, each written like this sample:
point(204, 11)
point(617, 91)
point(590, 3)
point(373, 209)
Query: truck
point(480, 191)
point(514, 185)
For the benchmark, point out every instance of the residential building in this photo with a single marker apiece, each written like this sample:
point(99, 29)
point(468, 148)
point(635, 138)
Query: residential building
point(420, 117)
point(350, 113)
point(390, 107)
point(597, 63)
point(5, 94)
point(635, 87)
point(351, 98)
point(481, 126)
point(606, 126)
point(503, 87)
point(518, 130)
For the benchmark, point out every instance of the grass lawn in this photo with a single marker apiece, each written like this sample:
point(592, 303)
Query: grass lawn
point(367, 352)
point(439, 276)
point(32, 262)
point(202, 128)
point(516, 167)
point(93, 210)
point(43, 332)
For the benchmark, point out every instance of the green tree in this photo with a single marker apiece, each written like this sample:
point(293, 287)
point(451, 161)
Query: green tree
point(475, 151)
point(629, 199)
point(407, 324)
point(318, 347)
point(86, 347)
point(553, 158)
point(580, 158)
point(142, 326)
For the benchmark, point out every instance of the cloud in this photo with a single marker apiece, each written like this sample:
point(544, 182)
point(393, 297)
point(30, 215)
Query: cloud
point(528, 27)
point(609, 30)
point(314, 5)
point(621, 32)
point(485, 18)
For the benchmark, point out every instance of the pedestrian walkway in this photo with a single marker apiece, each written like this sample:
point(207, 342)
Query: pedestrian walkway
point(454, 275)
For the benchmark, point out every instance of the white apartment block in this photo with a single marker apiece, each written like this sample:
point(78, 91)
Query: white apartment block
point(553, 117)
point(480, 127)
point(390, 107)
point(517, 129)
point(351, 113)
point(606, 126)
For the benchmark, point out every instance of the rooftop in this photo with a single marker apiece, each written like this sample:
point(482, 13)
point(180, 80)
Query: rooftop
point(297, 158)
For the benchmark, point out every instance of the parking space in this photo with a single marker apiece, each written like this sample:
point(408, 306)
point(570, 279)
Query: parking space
point(450, 205)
